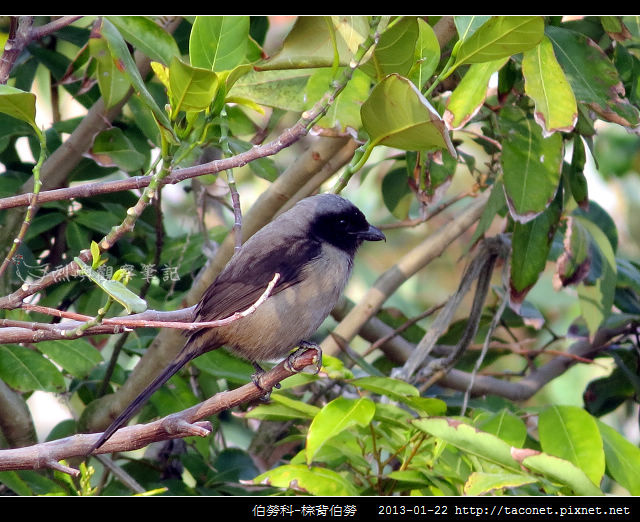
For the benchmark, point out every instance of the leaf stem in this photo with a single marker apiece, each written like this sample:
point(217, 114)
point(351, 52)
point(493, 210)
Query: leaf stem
point(33, 200)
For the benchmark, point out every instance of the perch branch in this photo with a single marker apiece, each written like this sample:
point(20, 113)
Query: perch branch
point(177, 425)
point(23, 331)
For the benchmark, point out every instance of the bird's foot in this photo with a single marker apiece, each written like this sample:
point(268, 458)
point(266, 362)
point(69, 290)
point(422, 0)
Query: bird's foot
point(302, 348)
point(256, 378)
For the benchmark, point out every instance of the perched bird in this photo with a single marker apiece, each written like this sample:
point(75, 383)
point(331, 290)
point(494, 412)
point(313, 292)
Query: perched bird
point(312, 247)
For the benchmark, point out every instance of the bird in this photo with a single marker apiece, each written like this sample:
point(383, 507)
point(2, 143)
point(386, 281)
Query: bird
point(312, 247)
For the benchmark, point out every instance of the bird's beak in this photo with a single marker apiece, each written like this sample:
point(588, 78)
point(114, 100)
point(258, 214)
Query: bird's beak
point(372, 234)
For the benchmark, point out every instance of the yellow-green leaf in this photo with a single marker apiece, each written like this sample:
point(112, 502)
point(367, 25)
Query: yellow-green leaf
point(469, 95)
point(337, 416)
point(546, 84)
point(397, 115)
point(499, 37)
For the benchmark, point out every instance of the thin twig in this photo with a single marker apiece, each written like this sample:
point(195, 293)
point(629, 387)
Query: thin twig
point(402, 328)
point(485, 346)
point(431, 212)
point(44, 331)
point(286, 139)
point(19, 38)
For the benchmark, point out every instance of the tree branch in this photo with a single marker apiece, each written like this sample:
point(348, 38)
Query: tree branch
point(177, 425)
point(22, 331)
point(19, 38)
point(398, 350)
point(321, 159)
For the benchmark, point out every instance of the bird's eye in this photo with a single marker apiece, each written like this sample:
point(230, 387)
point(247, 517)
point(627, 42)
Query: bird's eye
point(342, 223)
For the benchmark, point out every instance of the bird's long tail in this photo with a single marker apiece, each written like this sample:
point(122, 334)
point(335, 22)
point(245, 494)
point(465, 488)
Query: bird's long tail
point(186, 354)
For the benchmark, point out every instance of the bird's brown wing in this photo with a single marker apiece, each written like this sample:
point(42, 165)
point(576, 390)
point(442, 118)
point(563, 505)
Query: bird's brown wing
point(248, 274)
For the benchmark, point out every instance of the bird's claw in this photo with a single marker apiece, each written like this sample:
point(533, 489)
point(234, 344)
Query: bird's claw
point(290, 365)
point(256, 378)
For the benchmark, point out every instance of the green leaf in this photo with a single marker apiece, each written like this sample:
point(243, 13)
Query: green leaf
point(469, 439)
point(99, 220)
point(304, 409)
point(531, 164)
point(310, 43)
point(596, 299)
point(499, 37)
point(175, 397)
point(409, 478)
point(144, 119)
point(628, 274)
point(506, 426)
point(18, 104)
point(576, 180)
point(280, 89)
point(345, 110)
point(574, 262)
point(337, 416)
point(131, 302)
point(314, 480)
point(26, 370)
point(282, 408)
point(556, 108)
point(397, 115)
point(495, 205)
point(592, 76)
point(125, 63)
point(190, 88)
point(480, 483)
point(114, 84)
point(604, 395)
point(95, 255)
point(13, 481)
point(111, 148)
point(601, 218)
point(76, 236)
point(218, 43)
point(623, 458)
point(225, 366)
point(77, 357)
point(467, 98)
point(392, 388)
point(42, 223)
point(467, 25)
point(427, 406)
point(262, 167)
point(426, 55)
point(34, 483)
point(396, 194)
point(563, 471)
point(530, 245)
point(392, 415)
point(147, 36)
point(395, 50)
point(571, 433)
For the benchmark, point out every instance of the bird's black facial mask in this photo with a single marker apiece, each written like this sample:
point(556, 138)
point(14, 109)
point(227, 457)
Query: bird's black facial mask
point(346, 229)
